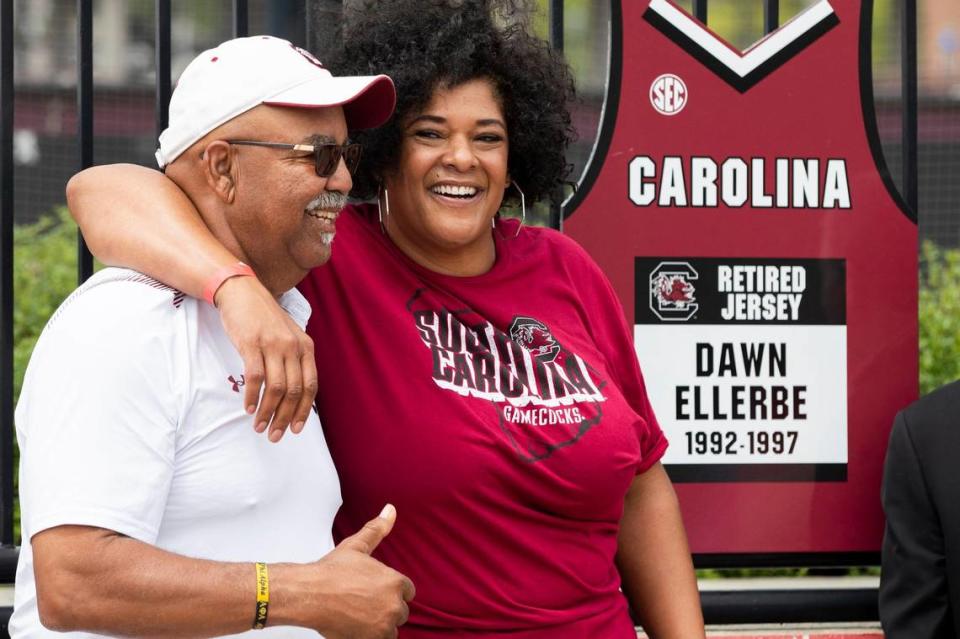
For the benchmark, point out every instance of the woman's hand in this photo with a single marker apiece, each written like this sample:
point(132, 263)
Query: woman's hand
point(277, 356)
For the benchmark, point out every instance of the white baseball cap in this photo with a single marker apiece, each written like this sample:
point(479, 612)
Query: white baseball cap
point(234, 77)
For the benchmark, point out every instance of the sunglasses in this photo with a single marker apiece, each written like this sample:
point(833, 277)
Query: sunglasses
point(326, 157)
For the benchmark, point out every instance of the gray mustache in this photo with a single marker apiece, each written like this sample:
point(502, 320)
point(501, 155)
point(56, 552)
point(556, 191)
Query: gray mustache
point(329, 200)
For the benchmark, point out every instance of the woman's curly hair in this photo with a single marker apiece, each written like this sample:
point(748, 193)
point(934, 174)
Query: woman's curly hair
point(428, 44)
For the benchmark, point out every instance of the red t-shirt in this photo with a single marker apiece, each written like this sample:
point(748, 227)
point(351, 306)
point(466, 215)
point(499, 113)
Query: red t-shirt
point(504, 415)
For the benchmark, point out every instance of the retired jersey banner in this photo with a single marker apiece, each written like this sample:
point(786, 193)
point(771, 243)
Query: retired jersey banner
point(741, 207)
point(751, 361)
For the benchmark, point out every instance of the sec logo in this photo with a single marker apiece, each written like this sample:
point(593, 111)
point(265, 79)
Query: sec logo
point(668, 94)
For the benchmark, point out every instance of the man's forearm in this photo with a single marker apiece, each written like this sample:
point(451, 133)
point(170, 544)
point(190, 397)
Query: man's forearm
point(654, 560)
point(99, 581)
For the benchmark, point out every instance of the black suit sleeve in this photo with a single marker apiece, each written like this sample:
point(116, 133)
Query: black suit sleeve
point(913, 587)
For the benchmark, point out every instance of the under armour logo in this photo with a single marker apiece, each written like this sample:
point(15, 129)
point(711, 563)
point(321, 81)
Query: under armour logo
point(237, 383)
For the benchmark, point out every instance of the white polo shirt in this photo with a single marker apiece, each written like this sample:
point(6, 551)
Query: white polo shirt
point(131, 418)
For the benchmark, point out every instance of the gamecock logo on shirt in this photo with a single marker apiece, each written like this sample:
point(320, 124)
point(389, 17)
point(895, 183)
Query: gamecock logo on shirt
point(534, 336)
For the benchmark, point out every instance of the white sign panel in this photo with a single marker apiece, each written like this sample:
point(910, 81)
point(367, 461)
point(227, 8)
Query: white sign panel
point(745, 361)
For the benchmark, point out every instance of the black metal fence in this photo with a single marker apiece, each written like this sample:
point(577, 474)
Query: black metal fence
point(724, 607)
point(6, 274)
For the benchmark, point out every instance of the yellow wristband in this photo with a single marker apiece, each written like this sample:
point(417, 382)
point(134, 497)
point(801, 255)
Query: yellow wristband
point(263, 597)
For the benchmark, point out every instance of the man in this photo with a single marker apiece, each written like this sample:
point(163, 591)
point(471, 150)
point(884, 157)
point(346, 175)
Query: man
point(146, 496)
point(920, 581)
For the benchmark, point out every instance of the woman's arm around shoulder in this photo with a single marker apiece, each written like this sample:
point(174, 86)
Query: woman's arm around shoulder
point(136, 217)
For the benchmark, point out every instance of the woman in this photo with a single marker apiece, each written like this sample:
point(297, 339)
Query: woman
point(476, 373)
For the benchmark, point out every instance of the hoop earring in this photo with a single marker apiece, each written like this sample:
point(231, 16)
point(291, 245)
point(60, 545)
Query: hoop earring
point(386, 198)
point(523, 207)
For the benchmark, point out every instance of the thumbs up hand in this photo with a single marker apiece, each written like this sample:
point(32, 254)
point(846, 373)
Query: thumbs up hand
point(373, 532)
point(347, 594)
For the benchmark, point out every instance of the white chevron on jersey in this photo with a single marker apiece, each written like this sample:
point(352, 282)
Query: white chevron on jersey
point(743, 63)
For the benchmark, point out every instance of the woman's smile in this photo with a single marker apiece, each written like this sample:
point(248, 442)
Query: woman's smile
point(454, 194)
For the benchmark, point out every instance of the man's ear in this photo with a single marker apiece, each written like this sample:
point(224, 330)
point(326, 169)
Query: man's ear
point(219, 165)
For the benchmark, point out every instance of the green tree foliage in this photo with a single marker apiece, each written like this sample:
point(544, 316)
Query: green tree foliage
point(939, 317)
point(44, 273)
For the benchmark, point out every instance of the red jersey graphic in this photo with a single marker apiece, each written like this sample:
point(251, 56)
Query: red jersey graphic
point(768, 161)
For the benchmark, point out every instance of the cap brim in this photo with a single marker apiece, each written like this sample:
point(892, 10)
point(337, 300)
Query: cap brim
point(367, 101)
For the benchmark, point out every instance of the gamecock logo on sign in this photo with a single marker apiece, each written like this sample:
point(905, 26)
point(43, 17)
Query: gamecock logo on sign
point(672, 291)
